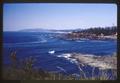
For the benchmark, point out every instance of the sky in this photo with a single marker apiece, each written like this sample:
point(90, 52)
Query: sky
point(18, 16)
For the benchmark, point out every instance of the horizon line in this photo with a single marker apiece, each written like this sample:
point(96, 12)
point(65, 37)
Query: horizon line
point(60, 29)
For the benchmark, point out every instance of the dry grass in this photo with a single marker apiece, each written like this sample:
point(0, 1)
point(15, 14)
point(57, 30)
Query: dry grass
point(24, 70)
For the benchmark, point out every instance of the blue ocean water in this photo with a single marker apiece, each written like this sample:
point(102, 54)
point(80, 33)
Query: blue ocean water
point(39, 45)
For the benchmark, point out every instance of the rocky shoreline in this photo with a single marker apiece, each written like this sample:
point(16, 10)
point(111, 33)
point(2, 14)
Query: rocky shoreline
point(81, 36)
point(102, 62)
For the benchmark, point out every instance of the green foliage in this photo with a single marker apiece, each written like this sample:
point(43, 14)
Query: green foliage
point(99, 30)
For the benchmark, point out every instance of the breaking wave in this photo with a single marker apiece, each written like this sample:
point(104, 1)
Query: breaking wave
point(61, 69)
point(68, 57)
point(91, 60)
point(51, 51)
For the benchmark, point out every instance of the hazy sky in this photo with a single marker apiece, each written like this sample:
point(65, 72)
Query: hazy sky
point(58, 15)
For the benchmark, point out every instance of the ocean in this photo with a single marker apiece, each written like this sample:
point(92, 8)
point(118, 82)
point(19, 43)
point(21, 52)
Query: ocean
point(47, 48)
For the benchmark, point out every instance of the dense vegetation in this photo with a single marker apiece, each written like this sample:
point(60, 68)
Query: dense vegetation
point(98, 30)
point(24, 70)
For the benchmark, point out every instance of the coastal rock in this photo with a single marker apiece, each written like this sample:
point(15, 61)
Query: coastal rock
point(102, 62)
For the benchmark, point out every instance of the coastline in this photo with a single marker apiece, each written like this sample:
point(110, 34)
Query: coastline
point(102, 62)
point(27, 71)
point(80, 36)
